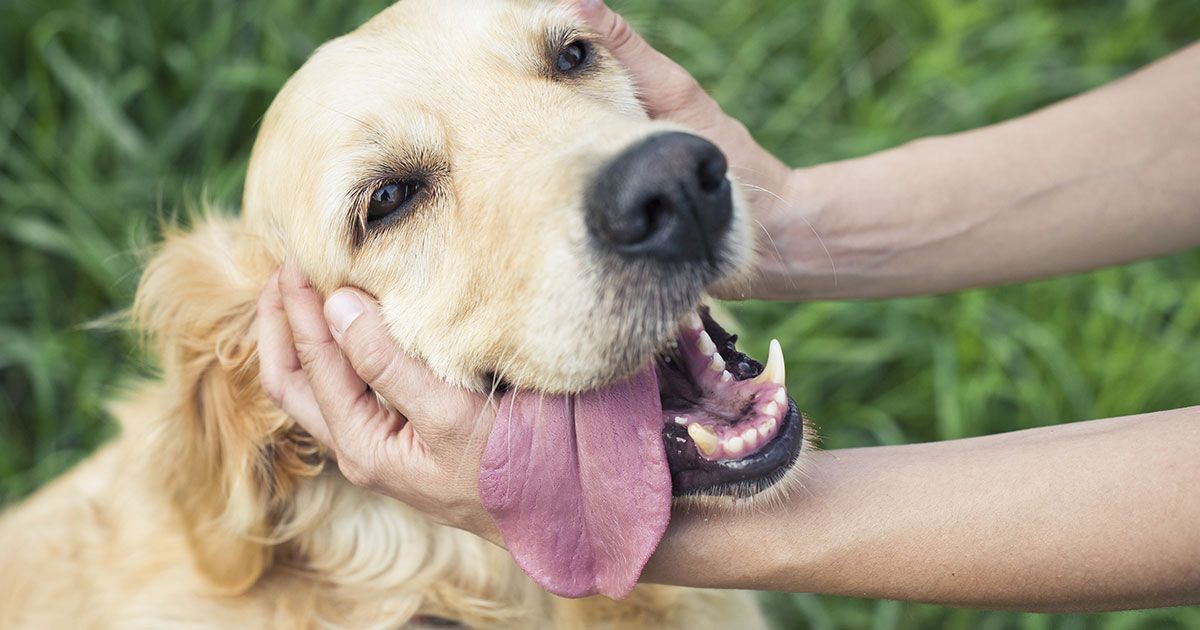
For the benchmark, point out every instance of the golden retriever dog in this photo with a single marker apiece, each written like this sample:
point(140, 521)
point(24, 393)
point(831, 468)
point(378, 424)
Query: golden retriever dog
point(484, 169)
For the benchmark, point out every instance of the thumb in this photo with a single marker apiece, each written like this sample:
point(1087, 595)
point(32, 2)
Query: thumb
point(427, 401)
point(664, 86)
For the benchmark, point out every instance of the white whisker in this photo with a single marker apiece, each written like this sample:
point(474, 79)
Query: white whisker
point(820, 241)
point(771, 240)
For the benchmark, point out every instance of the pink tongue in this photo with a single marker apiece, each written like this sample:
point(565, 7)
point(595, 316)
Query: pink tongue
point(579, 486)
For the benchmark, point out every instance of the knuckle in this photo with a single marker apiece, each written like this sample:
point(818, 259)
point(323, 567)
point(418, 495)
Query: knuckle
point(356, 473)
point(381, 414)
point(376, 362)
point(690, 106)
point(271, 385)
point(439, 432)
point(688, 87)
point(683, 90)
point(309, 353)
point(620, 34)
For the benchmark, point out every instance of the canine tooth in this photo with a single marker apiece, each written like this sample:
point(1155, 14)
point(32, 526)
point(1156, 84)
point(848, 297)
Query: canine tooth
point(705, 343)
point(692, 321)
point(773, 372)
point(705, 439)
point(781, 397)
point(681, 420)
point(717, 364)
point(726, 376)
point(750, 437)
point(735, 446)
point(772, 409)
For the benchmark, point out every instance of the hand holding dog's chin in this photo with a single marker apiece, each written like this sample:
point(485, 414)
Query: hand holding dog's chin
point(391, 424)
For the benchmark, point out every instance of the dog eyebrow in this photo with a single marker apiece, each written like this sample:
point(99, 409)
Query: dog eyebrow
point(559, 35)
point(364, 125)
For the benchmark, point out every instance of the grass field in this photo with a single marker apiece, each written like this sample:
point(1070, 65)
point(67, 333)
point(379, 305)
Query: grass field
point(115, 113)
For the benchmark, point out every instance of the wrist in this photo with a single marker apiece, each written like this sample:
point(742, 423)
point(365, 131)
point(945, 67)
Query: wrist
point(467, 514)
point(848, 227)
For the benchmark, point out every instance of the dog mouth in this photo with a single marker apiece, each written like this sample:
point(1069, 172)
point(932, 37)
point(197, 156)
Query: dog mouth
point(729, 427)
point(581, 485)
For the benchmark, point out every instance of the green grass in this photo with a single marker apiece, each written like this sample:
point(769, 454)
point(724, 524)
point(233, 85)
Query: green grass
point(115, 113)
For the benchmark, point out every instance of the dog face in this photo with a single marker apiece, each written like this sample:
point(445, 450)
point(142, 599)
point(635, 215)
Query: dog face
point(485, 170)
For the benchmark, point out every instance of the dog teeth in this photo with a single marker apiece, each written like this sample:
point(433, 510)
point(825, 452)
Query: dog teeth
point(681, 420)
point(734, 446)
point(726, 376)
point(705, 439)
point(767, 427)
point(774, 371)
point(781, 397)
point(717, 364)
point(750, 437)
point(705, 343)
point(692, 321)
point(771, 410)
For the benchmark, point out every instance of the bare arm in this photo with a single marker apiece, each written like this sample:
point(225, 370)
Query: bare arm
point(1105, 178)
point(1097, 515)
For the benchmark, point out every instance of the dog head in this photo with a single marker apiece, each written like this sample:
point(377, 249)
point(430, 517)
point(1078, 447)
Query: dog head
point(485, 170)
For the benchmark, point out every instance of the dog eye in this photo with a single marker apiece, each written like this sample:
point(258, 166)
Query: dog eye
point(571, 57)
point(389, 198)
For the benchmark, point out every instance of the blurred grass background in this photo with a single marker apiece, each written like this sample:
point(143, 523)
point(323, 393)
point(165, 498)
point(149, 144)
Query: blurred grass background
point(115, 113)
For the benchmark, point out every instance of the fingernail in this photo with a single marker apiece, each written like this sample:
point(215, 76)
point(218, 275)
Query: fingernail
point(341, 309)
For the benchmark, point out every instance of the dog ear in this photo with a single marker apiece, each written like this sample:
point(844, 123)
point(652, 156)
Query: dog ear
point(229, 458)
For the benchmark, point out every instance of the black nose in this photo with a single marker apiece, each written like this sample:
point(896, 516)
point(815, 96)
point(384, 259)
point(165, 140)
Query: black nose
point(665, 198)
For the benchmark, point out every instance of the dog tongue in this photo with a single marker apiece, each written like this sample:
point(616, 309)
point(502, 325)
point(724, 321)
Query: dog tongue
point(579, 485)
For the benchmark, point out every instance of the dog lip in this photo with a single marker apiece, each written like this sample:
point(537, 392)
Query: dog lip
point(693, 475)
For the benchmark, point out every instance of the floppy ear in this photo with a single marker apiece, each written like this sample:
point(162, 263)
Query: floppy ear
point(230, 459)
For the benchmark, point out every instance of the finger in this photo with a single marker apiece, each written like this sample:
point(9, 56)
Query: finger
point(356, 419)
point(279, 369)
point(665, 87)
point(428, 402)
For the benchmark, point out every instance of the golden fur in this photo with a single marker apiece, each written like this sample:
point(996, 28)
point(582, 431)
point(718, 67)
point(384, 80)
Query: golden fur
point(213, 508)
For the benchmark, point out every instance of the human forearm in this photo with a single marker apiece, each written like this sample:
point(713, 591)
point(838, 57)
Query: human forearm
point(1088, 516)
point(1101, 179)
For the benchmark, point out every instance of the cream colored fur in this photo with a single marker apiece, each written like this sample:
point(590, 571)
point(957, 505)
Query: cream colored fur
point(212, 509)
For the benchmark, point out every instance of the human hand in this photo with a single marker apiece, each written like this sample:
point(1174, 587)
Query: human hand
point(668, 92)
point(331, 367)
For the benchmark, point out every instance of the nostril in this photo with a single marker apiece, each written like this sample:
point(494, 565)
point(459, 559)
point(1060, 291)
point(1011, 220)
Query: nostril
point(711, 174)
point(631, 228)
point(649, 220)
